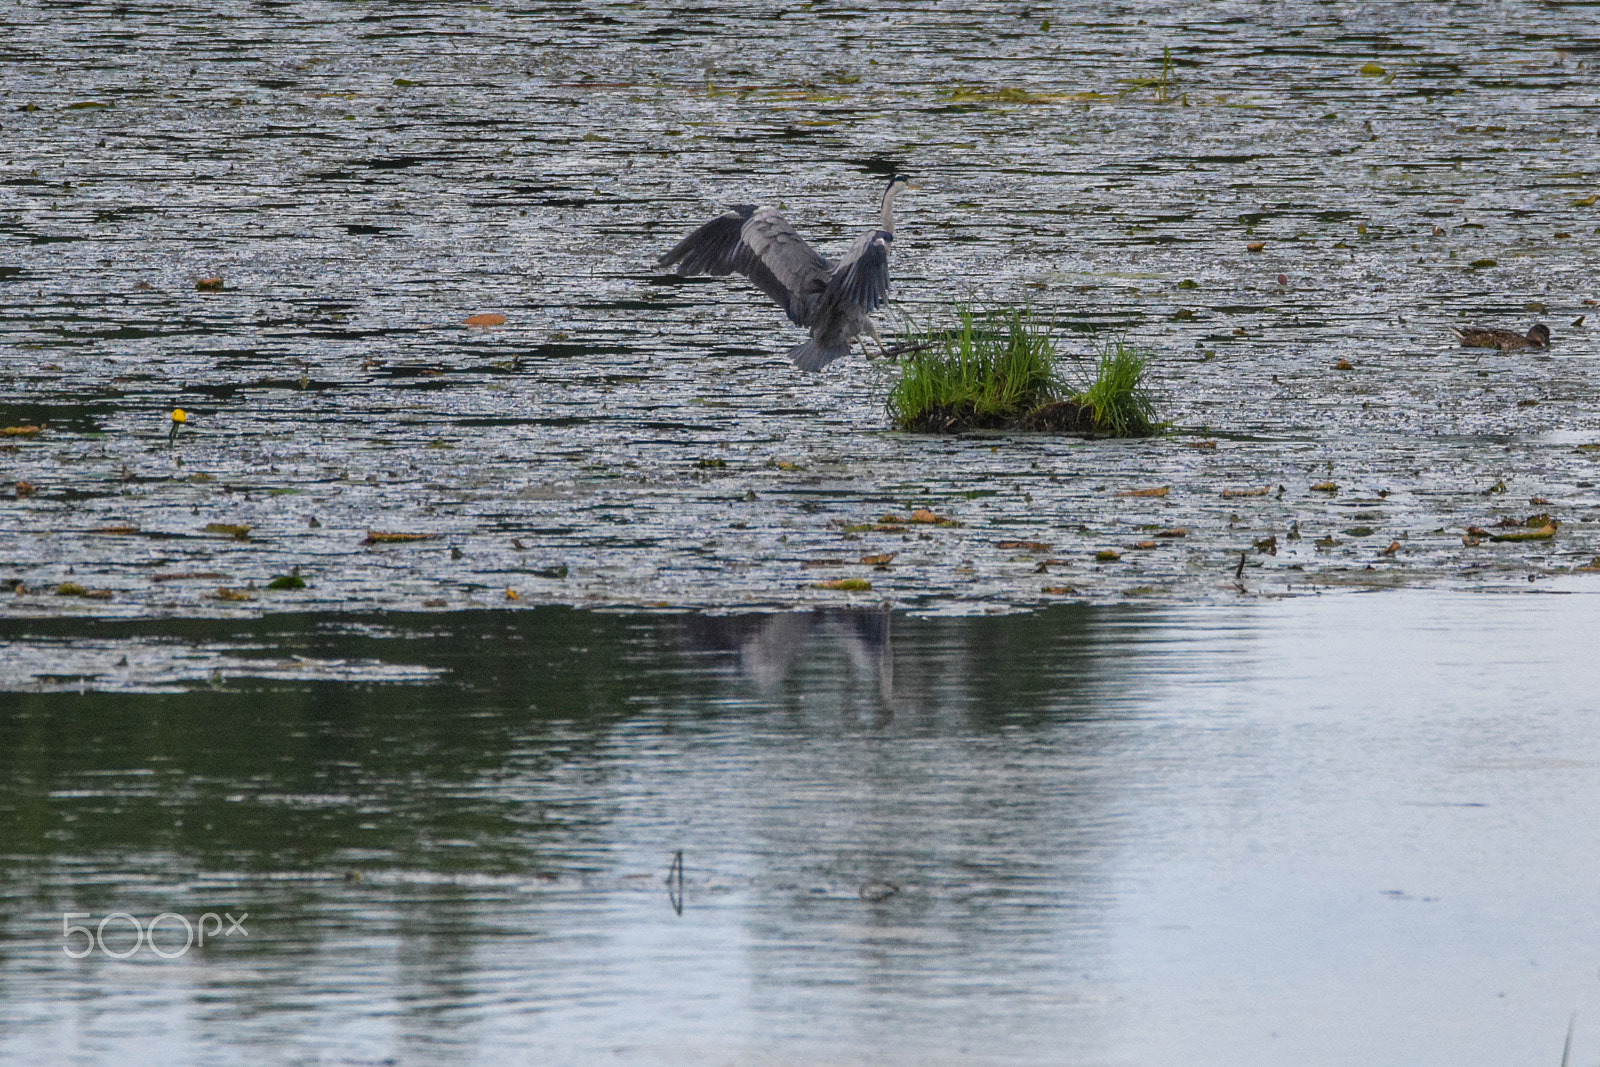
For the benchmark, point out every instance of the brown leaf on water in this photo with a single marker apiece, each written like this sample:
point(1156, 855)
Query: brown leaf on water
point(882, 559)
point(1026, 546)
point(209, 285)
point(238, 531)
point(1059, 590)
point(848, 585)
point(822, 563)
point(1263, 491)
point(26, 489)
point(21, 431)
point(1344, 364)
point(180, 576)
point(1325, 487)
point(1209, 446)
point(489, 319)
point(1160, 490)
point(224, 593)
point(1255, 246)
point(1394, 547)
point(1107, 555)
point(115, 530)
point(919, 515)
point(1146, 545)
point(1537, 500)
point(512, 594)
point(376, 537)
point(1176, 531)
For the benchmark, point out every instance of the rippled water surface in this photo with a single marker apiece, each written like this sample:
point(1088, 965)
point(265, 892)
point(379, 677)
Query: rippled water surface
point(365, 177)
point(1333, 830)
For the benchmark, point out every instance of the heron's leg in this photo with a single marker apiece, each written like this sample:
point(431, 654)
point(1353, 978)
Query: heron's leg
point(872, 330)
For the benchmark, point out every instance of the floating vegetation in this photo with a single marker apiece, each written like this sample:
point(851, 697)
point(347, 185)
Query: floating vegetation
point(999, 370)
point(379, 537)
point(966, 94)
point(1162, 83)
point(74, 589)
point(237, 531)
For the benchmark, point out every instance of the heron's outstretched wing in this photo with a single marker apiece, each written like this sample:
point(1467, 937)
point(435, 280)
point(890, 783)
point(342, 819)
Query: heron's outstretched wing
point(783, 265)
point(712, 249)
point(862, 275)
point(760, 244)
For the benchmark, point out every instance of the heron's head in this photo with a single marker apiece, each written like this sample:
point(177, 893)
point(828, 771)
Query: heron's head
point(902, 181)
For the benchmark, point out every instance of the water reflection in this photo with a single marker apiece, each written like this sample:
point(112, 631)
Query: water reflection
point(501, 830)
point(1087, 817)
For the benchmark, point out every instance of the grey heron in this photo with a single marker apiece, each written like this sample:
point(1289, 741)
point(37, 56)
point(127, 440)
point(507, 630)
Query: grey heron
point(832, 299)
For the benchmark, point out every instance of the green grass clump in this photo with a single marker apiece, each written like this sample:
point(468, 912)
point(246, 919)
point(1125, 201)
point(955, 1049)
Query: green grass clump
point(1116, 398)
point(991, 368)
point(999, 370)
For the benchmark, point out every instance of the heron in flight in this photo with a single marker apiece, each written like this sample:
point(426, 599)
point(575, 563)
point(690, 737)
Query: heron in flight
point(831, 299)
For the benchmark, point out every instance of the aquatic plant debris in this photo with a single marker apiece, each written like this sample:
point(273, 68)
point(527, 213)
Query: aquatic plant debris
point(578, 427)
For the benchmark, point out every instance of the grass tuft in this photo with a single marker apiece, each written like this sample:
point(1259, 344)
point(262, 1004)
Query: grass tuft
point(1116, 396)
point(999, 370)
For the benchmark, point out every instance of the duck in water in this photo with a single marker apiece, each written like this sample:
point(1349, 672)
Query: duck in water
point(1504, 340)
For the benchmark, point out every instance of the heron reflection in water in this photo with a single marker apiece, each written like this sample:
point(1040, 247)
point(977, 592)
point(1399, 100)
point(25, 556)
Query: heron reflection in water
point(773, 647)
point(834, 300)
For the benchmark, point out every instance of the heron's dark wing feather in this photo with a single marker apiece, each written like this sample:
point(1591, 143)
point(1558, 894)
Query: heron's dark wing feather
point(862, 276)
point(782, 264)
point(714, 248)
point(760, 244)
point(794, 304)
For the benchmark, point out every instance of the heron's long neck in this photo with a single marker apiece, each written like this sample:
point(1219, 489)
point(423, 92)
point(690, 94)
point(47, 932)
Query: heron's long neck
point(888, 208)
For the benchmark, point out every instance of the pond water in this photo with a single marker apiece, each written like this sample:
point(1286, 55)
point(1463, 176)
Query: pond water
point(1003, 799)
point(1345, 829)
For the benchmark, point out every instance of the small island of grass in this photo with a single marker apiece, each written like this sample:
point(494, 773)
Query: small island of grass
point(999, 370)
